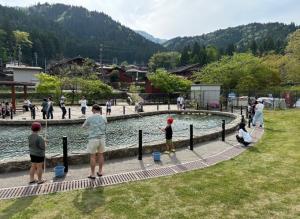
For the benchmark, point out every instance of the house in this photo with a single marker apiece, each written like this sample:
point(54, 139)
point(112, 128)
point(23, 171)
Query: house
point(55, 67)
point(186, 71)
point(23, 73)
point(137, 75)
point(149, 88)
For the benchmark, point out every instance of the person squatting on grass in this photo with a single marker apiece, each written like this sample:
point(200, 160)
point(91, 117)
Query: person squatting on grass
point(258, 116)
point(169, 133)
point(37, 153)
point(96, 126)
point(243, 136)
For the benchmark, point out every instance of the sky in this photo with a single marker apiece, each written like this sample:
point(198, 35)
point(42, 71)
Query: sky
point(171, 18)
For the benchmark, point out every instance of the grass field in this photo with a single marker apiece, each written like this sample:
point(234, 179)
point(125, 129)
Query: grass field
point(263, 182)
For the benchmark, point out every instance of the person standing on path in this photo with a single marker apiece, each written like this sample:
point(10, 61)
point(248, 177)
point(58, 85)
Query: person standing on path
point(108, 107)
point(44, 108)
point(96, 126)
point(63, 107)
point(83, 105)
point(50, 108)
point(258, 116)
point(37, 154)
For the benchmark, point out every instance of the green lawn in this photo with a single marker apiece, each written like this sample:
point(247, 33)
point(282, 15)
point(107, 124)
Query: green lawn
point(263, 182)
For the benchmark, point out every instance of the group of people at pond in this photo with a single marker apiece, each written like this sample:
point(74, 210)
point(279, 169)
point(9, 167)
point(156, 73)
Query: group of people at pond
point(96, 128)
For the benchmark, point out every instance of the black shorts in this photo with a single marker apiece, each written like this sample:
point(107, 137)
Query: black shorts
point(108, 110)
point(36, 159)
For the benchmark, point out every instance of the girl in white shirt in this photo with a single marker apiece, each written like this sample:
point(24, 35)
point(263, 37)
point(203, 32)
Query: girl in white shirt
point(243, 136)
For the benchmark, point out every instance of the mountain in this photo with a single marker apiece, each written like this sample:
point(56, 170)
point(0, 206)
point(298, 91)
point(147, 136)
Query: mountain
point(150, 37)
point(59, 31)
point(241, 37)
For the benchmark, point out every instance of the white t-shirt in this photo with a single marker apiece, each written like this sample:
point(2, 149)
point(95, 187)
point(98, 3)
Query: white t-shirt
point(245, 135)
point(83, 103)
point(108, 105)
point(259, 107)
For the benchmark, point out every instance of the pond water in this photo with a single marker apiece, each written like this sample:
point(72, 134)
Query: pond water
point(120, 134)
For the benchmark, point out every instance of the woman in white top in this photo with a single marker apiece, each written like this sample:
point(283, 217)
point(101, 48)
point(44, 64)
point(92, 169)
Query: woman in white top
point(83, 105)
point(243, 136)
point(258, 116)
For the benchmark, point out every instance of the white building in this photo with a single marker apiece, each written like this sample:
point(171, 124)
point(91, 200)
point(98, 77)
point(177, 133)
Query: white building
point(205, 94)
point(22, 73)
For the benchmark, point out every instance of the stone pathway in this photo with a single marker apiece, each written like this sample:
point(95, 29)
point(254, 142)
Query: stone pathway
point(76, 112)
point(14, 185)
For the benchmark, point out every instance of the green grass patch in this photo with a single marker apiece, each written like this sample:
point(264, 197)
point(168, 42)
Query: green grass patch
point(263, 182)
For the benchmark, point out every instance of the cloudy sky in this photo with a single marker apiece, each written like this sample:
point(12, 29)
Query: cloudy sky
point(171, 18)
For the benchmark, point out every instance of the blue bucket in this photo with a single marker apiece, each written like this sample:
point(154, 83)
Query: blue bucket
point(59, 171)
point(156, 156)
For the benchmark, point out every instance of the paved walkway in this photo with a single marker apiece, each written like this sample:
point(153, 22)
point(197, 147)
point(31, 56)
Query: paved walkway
point(122, 170)
point(76, 112)
point(127, 169)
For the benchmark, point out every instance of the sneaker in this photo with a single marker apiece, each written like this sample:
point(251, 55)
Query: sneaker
point(173, 150)
point(167, 152)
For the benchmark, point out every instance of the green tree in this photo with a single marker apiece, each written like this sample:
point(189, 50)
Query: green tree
point(49, 84)
point(167, 60)
point(169, 83)
point(293, 55)
point(22, 40)
point(93, 88)
point(242, 71)
point(185, 56)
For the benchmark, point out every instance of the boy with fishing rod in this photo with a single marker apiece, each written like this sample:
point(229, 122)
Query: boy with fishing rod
point(169, 133)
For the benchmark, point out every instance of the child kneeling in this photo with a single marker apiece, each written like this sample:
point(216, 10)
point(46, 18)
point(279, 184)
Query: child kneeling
point(243, 136)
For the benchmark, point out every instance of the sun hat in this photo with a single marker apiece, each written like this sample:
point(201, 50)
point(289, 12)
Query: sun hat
point(36, 126)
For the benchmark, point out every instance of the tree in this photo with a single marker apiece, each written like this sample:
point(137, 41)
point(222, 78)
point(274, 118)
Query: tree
point(230, 49)
point(167, 60)
point(253, 47)
point(169, 83)
point(293, 55)
point(212, 54)
point(185, 56)
point(93, 88)
point(49, 84)
point(22, 40)
point(242, 71)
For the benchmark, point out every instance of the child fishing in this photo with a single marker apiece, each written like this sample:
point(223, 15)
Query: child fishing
point(169, 133)
point(37, 154)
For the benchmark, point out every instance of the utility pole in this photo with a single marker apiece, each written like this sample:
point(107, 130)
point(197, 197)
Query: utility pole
point(35, 57)
point(100, 57)
point(45, 64)
point(19, 55)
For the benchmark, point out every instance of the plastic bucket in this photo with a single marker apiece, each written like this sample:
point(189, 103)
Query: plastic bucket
point(59, 171)
point(156, 156)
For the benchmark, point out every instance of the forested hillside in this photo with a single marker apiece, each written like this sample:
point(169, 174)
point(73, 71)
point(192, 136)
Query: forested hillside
point(255, 36)
point(58, 31)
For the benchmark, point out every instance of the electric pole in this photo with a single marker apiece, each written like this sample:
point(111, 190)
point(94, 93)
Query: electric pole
point(35, 57)
point(100, 57)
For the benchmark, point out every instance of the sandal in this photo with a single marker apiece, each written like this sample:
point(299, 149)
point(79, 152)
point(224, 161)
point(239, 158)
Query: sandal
point(41, 182)
point(32, 182)
point(99, 174)
point(92, 177)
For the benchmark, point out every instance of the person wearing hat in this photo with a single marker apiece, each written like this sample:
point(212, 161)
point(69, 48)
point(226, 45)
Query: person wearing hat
point(169, 133)
point(63, 107)
point(258, 116)
point(37, 154)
